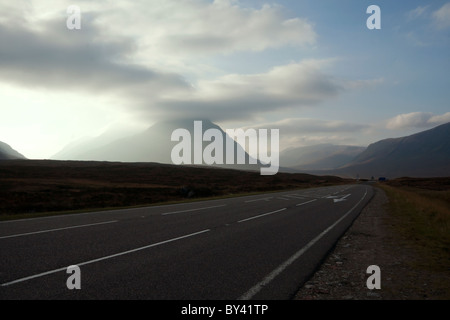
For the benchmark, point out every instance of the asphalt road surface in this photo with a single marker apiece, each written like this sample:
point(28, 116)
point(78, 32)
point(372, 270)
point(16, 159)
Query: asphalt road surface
point(252, 248)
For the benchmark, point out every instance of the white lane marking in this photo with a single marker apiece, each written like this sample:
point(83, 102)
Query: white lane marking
point(262, 199)
point(255, 289)
point(113, 211)
point(118, 211)
point(190, 210)
point(103, 258)
point(261, 215)
point(312, 196)
point(295, 197)
point(301, 204)
point(58, 229)
point(281, 198)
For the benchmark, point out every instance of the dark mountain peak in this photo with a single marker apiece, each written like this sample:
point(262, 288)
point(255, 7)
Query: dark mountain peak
point(8, 153)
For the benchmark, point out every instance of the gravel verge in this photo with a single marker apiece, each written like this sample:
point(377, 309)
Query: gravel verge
point(371, 240)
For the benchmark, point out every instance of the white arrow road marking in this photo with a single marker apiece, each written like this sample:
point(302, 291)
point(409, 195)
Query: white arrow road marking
point(259, 286)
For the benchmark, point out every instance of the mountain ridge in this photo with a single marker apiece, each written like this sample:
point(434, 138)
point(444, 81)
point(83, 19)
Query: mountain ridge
point(319, 156)
point(423, 154)
point(8, 153)
point(153, 145)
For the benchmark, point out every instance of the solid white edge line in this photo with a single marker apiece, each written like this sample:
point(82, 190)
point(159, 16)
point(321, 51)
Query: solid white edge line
point(261, 215)
point(190, 210)
point(58, 229)
point(103, 258)
point(255, 289)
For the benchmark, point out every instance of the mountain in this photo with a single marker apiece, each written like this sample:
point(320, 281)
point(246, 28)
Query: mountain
point(151, 145)
point(79, 149)
point(319, 157)
point(8, 153)
point(424, 154)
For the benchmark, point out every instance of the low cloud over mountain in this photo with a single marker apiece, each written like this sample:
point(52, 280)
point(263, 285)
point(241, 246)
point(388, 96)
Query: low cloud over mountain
point(151, 145)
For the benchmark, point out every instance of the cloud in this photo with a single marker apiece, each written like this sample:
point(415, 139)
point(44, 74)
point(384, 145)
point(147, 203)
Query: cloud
point(425, 25)
point(307, 125)
point(241, 96)
point(441, 17)
point(54, 57)
point(122, 51)
point(42, 53)
point(360, 84)
point(417, 120)
point(199, 27)
point(308, 131)
point(439, 119)
point(417, 12)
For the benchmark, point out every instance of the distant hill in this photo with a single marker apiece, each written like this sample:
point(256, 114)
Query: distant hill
point(8, 153)
point(80, 149)
point(424, 154)
point(319, 157)
point(151, 145)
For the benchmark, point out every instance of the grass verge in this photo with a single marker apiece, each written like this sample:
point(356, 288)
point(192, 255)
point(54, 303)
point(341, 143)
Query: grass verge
point(421, 217)
point(38, 187)
point(19, 216)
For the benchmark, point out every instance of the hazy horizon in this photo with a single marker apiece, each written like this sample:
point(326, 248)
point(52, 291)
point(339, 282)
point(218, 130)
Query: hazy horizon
point(311, 69)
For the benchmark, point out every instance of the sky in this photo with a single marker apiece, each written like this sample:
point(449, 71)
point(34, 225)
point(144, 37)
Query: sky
point(312, 69)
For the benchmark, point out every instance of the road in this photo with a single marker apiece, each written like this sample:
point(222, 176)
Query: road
point(252, 248)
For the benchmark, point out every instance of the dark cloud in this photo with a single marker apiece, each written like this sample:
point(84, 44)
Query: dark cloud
point(238, 97)
point(55, 57)
point(92, 60)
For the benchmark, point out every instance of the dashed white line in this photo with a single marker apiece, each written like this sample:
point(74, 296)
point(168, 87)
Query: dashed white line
point(295, 197)
point(262, 199)
point(255, 289)
point(301, 204)
point(190, 210)
point(58, 229)
point(103, 258)
point(261, 215)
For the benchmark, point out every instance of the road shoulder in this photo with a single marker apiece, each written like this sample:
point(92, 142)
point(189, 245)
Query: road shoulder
point(372, 241)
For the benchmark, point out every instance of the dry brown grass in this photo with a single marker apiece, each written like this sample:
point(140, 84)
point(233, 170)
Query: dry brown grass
point(422, 215)
point(35, 187)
